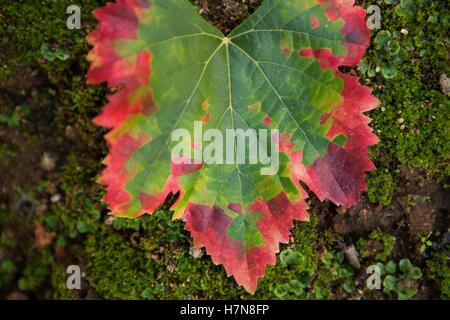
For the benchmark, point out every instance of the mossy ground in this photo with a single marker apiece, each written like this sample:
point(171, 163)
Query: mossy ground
point(46, 108)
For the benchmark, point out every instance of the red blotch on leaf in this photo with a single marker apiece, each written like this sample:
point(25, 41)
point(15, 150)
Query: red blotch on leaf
point(355, 30)
point(267, 121)
point(236, 207)
point(315, 23)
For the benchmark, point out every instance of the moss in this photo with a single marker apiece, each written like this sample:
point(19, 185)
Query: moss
point(36, 271)
point(117, 270)
point(294, 280)
point(412, 119)
point(381, 251)
point(58, 280)
point(425, 115)
point(37, 25)
point(439, 270)
point(313, 272)
point(381, 186)
point(156, 267)
point(139, 266)
point(78, 214)
point(6, 272)
point(161, 267)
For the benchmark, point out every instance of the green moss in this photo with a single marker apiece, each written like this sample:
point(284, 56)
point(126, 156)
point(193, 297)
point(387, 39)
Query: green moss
point(385, 241)
point(156, 267)
point(33, 26)
point(36, 271)
point(439, 269)
point(380, 186)
point(6, 272)
point(413, 118)
point(160, 266)
point(308, 270)
point(117, 270)
point(78, 214)
point(421, 143)
point(58, 280)
point(292, 276)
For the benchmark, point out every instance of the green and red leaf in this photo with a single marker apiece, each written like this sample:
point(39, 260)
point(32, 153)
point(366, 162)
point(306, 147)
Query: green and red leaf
point(277, 70)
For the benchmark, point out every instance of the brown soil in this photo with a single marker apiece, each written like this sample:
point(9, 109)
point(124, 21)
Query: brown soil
point(226, 14)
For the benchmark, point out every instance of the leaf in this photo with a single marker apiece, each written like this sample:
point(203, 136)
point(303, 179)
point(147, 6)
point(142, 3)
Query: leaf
point(289, 257)
point(282, 290)
point(391, 267)
point(389, 283)
point(277, 70)
point(382, 268)
point(327, 258)
point(415, 273)
point(296, 287)
point(405, 266)
point(406, 294)
point(348, 286)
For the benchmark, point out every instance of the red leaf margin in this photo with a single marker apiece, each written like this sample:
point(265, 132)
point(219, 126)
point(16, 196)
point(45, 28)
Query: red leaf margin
point(130, 75)
point(340, 175)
